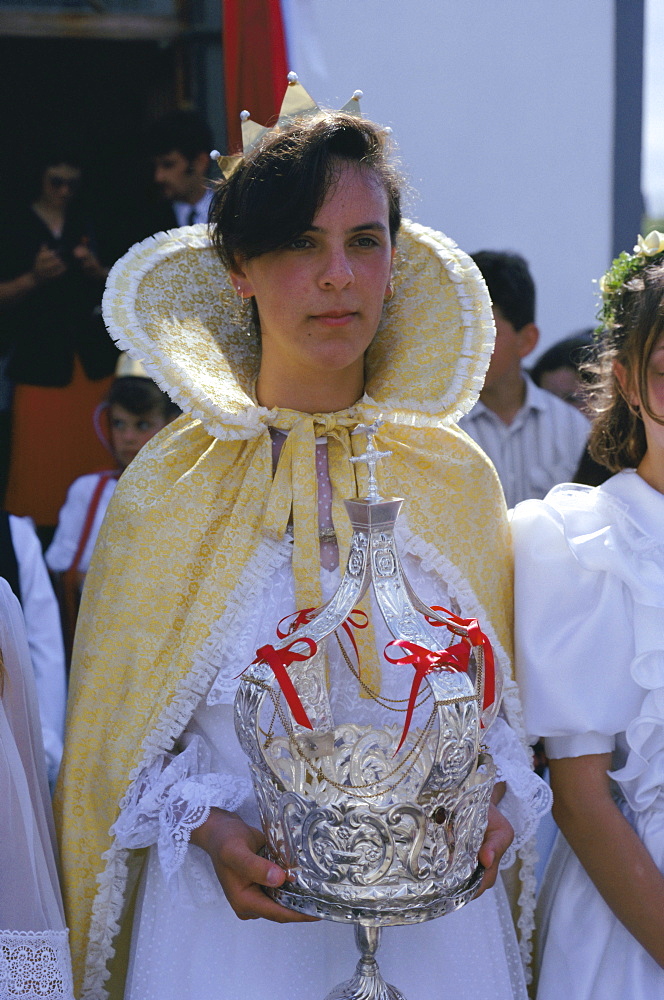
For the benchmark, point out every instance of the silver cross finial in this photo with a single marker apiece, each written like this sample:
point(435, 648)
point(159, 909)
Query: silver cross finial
point(371, 456)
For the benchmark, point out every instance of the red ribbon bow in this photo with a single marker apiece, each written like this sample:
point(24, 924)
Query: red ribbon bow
point(295, 621)
point(279, 660)
point(476, 637)
point(425, 660)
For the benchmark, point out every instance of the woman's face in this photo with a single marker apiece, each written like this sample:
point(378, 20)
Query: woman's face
point(655, 431)
point(566, 384)
point(320, 297)
point(59, 185)
point(130, 431)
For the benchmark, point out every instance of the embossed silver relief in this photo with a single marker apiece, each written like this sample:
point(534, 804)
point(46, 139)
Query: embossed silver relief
point(367, 835)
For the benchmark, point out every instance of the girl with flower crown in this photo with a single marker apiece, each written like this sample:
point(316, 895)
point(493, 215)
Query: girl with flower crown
point(589, 598)
point(230, 520)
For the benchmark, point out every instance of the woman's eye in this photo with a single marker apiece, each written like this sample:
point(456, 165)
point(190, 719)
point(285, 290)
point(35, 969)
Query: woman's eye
point(366, 241)
point(300, 243)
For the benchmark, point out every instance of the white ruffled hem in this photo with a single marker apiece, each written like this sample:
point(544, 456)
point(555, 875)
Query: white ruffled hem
point(642, 777)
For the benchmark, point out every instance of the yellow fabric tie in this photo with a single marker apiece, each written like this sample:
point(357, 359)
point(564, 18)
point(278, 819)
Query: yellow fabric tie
point(295, 488)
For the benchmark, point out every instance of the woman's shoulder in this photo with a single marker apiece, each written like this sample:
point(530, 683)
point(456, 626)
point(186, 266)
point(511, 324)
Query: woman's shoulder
point(615, 528)
point(569, 504)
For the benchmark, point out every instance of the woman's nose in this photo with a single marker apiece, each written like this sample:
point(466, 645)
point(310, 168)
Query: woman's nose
point(337, 271)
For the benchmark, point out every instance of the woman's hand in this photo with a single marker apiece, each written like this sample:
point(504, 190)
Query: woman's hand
point(233, 846)
point(497, 838)
point(47, 265)
point(88, 260)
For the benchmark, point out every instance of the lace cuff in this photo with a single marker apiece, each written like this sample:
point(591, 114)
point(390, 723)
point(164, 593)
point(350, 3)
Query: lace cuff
point(527, 798)
point(35, 965)
point(172, 797)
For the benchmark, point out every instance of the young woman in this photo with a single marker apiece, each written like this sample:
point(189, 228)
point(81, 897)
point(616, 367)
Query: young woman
point(231, 519)
point(590, 656)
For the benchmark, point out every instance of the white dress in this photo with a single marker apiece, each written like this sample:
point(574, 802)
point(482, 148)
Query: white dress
point(71, 520)
point(188, 943)
point(42, 623)
point(589, 597)
point(34, 949)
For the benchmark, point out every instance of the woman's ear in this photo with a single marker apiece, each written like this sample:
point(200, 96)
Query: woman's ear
point(241, 281)
point(625, 383)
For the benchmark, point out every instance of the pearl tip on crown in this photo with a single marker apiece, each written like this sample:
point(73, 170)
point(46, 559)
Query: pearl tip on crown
point(244, 115)
point(357, 95)
point(292, 77)
point(214, 154)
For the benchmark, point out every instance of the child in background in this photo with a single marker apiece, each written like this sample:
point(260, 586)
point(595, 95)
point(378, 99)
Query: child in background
point(136, 409)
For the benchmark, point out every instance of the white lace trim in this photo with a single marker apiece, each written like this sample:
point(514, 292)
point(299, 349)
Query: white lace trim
point(35, 965)
point(527, 798)
point(227, 633)
point(172, 797)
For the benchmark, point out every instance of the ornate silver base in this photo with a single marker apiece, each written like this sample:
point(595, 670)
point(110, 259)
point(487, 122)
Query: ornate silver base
point(383, 912)
point(367, 983)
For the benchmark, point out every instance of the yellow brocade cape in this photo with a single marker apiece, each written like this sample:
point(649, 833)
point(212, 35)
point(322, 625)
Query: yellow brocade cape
point(198, 522)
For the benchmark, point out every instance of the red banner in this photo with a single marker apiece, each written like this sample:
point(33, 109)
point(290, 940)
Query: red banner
point(255, 63)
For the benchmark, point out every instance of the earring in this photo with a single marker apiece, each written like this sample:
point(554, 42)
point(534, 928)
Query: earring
point(389, 292)
point(245, 311)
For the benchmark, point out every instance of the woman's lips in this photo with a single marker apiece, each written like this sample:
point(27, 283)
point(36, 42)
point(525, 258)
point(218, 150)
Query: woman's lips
point(335, 318)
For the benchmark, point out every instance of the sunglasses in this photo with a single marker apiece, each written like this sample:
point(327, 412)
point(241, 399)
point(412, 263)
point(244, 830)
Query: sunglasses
point(60, 182)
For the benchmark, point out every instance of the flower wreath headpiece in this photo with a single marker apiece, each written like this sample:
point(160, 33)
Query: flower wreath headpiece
point(648, 250)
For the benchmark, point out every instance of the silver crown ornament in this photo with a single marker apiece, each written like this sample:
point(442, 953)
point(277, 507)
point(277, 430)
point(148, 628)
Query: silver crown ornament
point(375, 826)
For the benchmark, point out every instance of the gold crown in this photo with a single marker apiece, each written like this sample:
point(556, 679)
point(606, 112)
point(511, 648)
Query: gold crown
point(127, 366)
point(297, 103)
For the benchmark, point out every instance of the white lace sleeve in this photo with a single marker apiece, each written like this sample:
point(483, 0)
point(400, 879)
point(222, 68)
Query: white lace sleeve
point(527, 798)
point(172, 797)
point(35, 965)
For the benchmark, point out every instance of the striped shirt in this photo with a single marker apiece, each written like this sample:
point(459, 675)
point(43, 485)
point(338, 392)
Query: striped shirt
point(540, 448)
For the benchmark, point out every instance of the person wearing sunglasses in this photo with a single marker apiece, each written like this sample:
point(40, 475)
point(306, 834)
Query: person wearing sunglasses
point(55, 350)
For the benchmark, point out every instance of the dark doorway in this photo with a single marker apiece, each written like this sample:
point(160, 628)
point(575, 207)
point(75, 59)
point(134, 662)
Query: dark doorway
point(101, 93)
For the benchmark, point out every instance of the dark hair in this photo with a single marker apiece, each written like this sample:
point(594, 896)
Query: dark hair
point(573, 352)
point(618, 438)
point(141, 395)
point(275, 193)
point(510, 285)
point(187, 132)
point(54, 151)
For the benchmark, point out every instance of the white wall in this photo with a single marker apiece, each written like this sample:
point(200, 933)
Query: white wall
point(653, 109)
point(503, 112)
